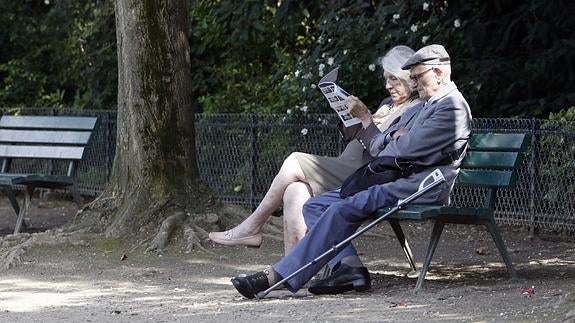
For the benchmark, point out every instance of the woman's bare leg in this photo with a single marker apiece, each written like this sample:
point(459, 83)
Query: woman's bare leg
point(248, 232)
point(294, 226)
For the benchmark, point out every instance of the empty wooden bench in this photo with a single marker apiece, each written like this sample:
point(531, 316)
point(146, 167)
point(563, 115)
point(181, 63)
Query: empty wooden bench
point(24, 139)
point(491, 163)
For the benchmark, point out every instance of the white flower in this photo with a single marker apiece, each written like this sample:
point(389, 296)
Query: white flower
point(323, 55)
point(304, 108)
point(413, 28)
point(320, 73)
point(478, 87)
point(371, 67)
point(288, 111)
point(46, 2)
point(313, 85)
point(424, 39)
point(307, 76)
point(345, 51)
point(456, 23)
point(425, 6)
point(330, 61)
point(319, 40)
point(396, 16)
point(303, 89)
point(321, 67)
point(304, 131)
point(329, 40)
point(296, 73)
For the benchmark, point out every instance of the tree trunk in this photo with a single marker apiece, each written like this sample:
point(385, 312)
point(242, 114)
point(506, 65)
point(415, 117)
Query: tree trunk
point(154, 182)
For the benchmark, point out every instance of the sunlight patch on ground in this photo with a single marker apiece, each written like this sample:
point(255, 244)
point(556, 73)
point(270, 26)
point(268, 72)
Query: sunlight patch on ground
point(213, 280)
point(26, 295)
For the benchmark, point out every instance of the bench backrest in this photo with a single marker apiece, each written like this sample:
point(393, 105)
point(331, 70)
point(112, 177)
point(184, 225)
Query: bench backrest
point(41, 137)
point(492, 161)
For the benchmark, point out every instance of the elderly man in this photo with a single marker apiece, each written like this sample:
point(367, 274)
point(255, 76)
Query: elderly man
point(432, 135)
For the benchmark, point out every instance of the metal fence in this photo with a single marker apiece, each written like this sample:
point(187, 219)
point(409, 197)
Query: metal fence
point(239, 154)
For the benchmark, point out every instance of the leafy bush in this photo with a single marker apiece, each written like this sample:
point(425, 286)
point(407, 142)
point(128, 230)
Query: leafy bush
point(557, 168)
point(511, 58)
point(58, 53)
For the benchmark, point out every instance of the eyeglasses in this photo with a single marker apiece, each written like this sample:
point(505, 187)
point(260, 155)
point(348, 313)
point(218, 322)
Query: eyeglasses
point(416, 77)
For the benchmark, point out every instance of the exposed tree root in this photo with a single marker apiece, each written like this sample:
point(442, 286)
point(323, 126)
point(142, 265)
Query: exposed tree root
point(13, 247)
point(167, 229)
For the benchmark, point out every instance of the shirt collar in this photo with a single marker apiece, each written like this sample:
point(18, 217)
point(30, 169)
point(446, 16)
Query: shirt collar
point(445, 90)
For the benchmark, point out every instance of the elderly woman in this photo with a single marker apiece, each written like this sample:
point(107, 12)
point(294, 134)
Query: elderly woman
point(304, 175)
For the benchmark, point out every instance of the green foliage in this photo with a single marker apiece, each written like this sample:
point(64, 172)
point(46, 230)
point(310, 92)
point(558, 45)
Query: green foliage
point(58, 53)
point(511, 58)
point(558, 167)
point(565, 115)
point(237, 56)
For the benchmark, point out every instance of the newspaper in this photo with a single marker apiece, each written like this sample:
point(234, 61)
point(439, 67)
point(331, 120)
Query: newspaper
point(336, 96)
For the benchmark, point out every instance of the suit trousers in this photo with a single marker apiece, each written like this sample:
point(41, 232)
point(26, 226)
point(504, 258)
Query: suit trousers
point(330, 220)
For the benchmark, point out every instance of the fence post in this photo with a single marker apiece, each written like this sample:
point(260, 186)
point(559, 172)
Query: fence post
point(533, 174)
point(254, 159)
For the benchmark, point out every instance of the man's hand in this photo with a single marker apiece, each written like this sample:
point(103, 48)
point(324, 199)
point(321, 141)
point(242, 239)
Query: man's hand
point(399, 132)
point(358, 109)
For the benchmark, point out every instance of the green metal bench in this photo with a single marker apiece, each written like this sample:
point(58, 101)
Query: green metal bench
point(491, 162)
point(52, 139)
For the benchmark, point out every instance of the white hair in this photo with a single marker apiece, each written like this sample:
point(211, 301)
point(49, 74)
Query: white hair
point(394, 59)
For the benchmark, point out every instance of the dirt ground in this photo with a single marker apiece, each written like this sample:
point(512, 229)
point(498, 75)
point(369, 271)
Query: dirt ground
point(109, 281)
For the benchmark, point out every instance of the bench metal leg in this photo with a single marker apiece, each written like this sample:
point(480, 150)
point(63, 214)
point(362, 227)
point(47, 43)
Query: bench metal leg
point(494, 230)
point(76, 195)
point(13, 201)
point(435, 235)
point(15, 205)
point(27, 199)
point(403, 242)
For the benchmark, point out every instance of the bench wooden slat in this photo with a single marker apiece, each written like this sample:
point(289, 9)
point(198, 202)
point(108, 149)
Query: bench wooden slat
point(45, 137)
point(42, 122)
point(42, 152)
point(49, 181)
point(498, 141)
point(491, 160)
point(486, 178)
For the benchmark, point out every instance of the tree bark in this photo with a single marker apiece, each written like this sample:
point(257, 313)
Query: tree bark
point(154, 174)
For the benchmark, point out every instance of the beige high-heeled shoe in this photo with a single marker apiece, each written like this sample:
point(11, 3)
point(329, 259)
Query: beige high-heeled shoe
point(230, 238)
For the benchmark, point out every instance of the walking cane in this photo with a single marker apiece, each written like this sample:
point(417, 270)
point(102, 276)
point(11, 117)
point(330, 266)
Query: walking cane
point(437, 179)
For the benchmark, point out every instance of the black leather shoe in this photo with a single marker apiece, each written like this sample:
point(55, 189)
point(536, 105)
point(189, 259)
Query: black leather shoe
point(250, 285)
point(343, 279)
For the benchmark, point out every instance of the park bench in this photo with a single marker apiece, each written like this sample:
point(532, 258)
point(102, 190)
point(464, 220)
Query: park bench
point(58, 142)
point(491, 163)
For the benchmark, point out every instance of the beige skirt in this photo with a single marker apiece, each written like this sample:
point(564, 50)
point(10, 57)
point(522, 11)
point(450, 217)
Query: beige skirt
point(328, 173)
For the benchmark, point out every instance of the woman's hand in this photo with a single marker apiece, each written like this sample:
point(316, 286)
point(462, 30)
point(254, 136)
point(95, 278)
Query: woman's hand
point(358, 109)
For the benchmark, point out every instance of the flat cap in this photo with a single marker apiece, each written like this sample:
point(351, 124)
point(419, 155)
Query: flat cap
point(428, 55)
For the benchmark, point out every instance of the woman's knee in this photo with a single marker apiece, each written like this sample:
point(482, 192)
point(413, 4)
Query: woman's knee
point(296, 192)
point(291, 166)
